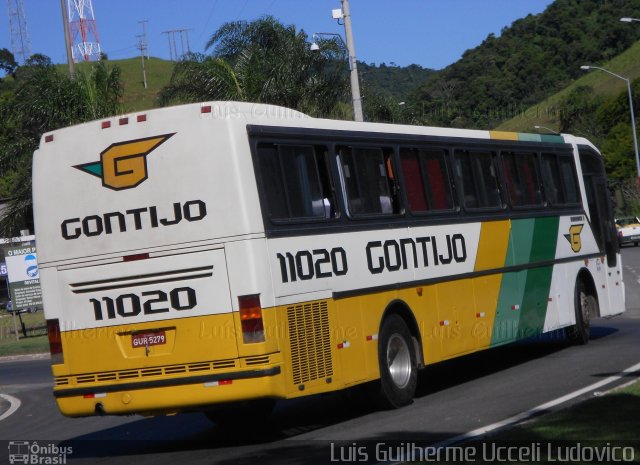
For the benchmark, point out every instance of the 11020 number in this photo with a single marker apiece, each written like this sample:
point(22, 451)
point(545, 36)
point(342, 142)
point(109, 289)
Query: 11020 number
point(319, 263)
point(148, 303)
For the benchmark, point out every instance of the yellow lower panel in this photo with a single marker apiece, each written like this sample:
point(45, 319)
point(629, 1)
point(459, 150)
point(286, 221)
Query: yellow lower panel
point(188, 340)
point(172, 399)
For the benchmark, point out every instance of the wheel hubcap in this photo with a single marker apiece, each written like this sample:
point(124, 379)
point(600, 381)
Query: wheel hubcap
point(399, 360)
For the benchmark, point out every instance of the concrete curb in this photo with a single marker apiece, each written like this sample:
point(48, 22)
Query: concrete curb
point(24, 358)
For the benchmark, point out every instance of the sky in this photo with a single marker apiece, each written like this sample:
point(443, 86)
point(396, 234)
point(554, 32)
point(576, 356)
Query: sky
point(430, 33)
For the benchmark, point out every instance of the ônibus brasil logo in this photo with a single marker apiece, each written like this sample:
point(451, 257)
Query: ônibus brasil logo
point(123, 165)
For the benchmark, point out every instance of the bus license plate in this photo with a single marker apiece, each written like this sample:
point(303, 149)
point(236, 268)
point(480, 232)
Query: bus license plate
point(148, 339)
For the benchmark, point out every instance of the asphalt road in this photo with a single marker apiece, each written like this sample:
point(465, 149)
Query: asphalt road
point(453, 398)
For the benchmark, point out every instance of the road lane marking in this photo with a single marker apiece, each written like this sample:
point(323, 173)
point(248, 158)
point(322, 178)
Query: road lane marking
point(14, 405)
point(536, 410)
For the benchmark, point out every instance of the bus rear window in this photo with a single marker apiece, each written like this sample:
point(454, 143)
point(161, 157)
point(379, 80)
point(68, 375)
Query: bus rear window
point(295, 182)
point(426, 180)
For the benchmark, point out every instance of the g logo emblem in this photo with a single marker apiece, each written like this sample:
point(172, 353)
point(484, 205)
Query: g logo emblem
point(574, 237)
point(124, 165)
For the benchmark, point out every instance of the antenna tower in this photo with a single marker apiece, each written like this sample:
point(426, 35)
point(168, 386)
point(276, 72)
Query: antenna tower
point(20, 45)
point(85, 44)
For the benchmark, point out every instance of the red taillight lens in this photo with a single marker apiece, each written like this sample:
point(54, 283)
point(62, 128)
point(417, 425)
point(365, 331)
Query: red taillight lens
point(55, 341)
point(251, 318)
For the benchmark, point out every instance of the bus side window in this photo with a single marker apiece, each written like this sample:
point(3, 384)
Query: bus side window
point(369, 181)
point(569, 180)
point(551, 179)
point(522, 179)
point(426, 179)
point(477, 176)
point(295, 181)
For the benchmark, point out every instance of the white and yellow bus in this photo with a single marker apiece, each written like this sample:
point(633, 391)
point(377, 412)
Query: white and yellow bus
point(221, 252)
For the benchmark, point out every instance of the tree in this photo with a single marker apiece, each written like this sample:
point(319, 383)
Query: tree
point(263, 61)
point(8, 62)
point(45, 100)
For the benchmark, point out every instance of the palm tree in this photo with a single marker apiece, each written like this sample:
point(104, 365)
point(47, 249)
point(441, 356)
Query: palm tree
point(263, 61)
point(45, 100)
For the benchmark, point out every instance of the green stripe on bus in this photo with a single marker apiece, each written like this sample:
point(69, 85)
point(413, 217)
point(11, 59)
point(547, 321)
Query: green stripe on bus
point(507, 319)
point(523, 297)
point(536, 293)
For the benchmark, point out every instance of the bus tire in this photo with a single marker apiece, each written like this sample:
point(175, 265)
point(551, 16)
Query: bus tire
point(398, 364)
point(585, 307)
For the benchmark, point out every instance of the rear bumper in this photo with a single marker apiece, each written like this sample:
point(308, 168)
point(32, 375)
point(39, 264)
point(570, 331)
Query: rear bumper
point(170, 395)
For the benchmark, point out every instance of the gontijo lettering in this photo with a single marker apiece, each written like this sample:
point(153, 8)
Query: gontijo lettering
point(136, 218)
point(392, 255)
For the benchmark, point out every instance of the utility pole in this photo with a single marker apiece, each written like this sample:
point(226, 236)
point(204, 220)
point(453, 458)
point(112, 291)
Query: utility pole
point(169, 35)
point(67, 37)
point(353, 66)
point(144, 34)
point(142, 46)
point(184, 33)
point(173, 51)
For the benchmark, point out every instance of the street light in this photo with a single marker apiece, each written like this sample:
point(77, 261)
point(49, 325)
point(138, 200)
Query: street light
point(345, 14)
point(628, 20)
point(355, 89)
point(633, 117)
point(546, 129)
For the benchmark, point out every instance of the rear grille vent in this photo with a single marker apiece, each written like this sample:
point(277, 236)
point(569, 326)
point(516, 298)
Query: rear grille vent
point(85, 379)
point(146, 372)
point(224, 364)
point(151, 372)
point(310, 342)
point(262, 360)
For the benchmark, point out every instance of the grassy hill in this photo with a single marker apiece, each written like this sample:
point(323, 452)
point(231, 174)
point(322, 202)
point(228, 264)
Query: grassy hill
point(532, 59)
point(395, 81)
point(545, 113)
point(136, 97)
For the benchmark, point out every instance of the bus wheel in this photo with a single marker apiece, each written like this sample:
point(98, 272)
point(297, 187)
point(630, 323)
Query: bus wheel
point(585, 306)
point(398, 366)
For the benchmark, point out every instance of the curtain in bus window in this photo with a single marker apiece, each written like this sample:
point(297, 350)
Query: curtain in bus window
point(413, 183)
point(551, 179)
point(439, 187)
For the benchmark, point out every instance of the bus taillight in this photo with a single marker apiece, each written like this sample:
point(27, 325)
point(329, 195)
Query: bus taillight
point(251, 318)
point(55, 341)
